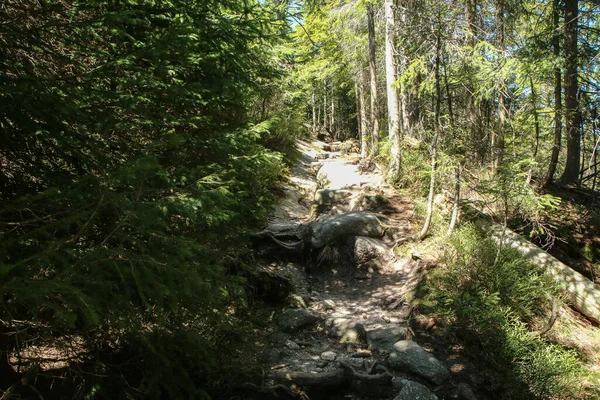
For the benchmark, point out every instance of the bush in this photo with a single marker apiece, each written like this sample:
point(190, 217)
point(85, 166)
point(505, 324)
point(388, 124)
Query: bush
point(131, 173)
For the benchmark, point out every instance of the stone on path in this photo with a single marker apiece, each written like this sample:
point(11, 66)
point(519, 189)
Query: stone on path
point(292, 320)
point(383, 340)
point(278, 338)
point(290, 344)
point(367, 249)
point(415, 391)
point(349, 331)
point(409, 357)
point(353, 223)
point(328, 355)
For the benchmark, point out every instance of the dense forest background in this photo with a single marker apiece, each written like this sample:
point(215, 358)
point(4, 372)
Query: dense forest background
point(141, 140)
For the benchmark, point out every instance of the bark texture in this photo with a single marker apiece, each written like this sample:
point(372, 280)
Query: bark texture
point(572, 112)
point(392, 93)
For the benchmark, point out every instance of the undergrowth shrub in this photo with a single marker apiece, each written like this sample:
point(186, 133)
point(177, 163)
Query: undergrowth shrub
point(131, 173)
point(490, 308)
point(416, 169)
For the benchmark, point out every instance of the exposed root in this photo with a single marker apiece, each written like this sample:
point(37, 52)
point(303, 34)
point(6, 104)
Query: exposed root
point(276, 391)
point(552, 319)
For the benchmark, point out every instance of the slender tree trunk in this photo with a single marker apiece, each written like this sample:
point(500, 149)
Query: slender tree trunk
point(373, 73)
point(358, 116)
point(595, 157)
point(456, 206)
point(325, 116)
point(364, 145)
point(536, 123)
point(333, 130)
point(263, 110)
point(318, 114)
point(583, 152)
point(438, 101)
point(392, 93)
point(405, 99)
point(498, 135)
point(557, 97)
point(474, 114)
point(448, 95)
point(572, 113)
point(314, 112)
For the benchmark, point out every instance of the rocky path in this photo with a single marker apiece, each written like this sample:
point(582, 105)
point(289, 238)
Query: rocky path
point(344, 332)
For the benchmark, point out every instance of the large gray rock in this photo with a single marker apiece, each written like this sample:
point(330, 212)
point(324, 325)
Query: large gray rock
point(415, 391)
point(367, 249)
point(409, 357)
point(383, 340)
point(292, 320)
point(354, 223)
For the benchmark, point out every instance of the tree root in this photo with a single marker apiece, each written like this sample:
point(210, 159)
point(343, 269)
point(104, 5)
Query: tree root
point(280, 392)
point(552, 319)
point(331, 379)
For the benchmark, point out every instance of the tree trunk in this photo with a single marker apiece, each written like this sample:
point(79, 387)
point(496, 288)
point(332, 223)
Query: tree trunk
point(357, 105)
point(474, 118)
point(364, 146)
point(392, 93)
point(583, 293)
point(456, 205)
point(373, 74)
point(572, 113)
point(498, 136)
point(406, 102)
point(536, 123)
point(314, 111)
point(557, 97)
point(325, 105)
point(333, 127)
point(438, 101)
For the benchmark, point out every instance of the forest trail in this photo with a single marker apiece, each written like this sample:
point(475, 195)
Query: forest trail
point(349, 336)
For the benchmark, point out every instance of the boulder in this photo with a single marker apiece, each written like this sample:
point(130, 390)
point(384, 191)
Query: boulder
point(292, 320)
point(367, 249)
point(383, 340)
point(415, 391)
point(330, 229)
point(407, 356)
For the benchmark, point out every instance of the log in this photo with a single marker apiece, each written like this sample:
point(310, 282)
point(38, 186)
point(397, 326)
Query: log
point(584, 294)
